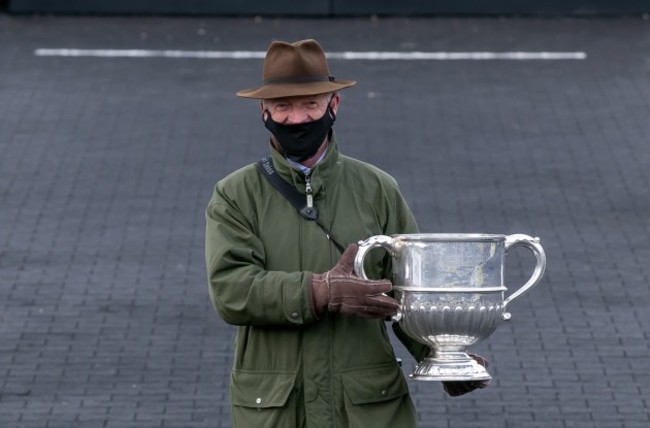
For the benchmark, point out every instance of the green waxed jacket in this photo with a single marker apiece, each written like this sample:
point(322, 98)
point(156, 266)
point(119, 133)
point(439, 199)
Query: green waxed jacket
point(290, 368)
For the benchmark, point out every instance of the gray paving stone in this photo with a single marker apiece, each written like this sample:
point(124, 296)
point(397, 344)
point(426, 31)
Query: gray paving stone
point(107, 165)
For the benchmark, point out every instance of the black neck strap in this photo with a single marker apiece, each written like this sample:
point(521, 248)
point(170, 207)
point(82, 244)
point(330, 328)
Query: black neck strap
point(265, 166)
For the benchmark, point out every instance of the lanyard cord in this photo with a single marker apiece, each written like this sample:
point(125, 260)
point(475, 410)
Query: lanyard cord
point(306, 210)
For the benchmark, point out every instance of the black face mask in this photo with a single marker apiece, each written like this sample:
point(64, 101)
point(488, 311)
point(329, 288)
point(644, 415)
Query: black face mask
point(301, 141)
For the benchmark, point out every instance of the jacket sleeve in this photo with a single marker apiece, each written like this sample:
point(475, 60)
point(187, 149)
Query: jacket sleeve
point(241, 290)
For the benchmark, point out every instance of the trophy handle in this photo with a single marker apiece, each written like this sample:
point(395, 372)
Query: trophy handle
point(383, 241)
point(533, 245)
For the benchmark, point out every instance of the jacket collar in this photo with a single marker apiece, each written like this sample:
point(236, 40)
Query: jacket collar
point(326, 169)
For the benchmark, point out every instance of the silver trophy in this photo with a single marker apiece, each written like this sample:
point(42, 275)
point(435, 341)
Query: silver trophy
point(451, 293)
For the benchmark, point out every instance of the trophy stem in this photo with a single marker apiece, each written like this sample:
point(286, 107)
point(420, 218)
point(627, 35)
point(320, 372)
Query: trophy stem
point(449, 366)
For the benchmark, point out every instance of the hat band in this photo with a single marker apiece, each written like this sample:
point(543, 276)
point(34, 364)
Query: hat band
point(303, 79)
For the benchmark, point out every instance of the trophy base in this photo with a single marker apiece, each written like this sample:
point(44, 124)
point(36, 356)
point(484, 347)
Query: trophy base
point(450, 366)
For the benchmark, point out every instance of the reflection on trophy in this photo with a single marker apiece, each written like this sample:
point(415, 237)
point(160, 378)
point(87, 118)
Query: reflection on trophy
point(451, 293)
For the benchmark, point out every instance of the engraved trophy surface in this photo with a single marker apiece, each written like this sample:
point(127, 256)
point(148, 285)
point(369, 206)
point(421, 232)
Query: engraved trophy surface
point(451, 293)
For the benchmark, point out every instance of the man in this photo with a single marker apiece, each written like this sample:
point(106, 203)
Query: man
point(312, 348)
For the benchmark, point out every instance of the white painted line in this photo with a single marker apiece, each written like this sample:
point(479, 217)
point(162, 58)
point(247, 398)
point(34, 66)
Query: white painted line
point(399, 56)
point(442, 56)
point(144, 53)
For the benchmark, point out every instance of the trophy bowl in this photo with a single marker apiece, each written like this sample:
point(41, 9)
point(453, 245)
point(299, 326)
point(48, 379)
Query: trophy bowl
point(451, 294)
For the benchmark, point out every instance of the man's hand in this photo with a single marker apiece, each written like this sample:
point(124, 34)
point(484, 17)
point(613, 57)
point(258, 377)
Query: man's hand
point(457, 388)
point(339, 290)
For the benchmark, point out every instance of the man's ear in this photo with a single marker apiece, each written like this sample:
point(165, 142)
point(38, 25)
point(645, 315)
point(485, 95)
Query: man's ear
point(335, 102)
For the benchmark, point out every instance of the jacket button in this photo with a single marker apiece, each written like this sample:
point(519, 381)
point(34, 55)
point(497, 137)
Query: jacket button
point(294, 315)
point(258, 400)
point(384, 393)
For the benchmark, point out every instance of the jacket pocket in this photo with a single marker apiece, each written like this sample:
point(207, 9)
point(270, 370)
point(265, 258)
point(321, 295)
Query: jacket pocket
point(378, 396)
point(374, 384)
point(263, 399)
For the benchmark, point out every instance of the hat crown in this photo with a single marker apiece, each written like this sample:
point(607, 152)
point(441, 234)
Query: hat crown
point(298, 62)
point(293, 70)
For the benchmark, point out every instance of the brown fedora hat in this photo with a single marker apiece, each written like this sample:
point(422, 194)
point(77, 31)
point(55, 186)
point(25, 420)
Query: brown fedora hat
point(294, 69)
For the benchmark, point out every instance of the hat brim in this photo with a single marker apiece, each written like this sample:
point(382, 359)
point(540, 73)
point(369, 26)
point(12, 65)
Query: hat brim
point(282, 90)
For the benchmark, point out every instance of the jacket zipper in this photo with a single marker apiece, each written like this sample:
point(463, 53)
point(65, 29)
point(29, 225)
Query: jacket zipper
point(310, 204)
point(309, 191)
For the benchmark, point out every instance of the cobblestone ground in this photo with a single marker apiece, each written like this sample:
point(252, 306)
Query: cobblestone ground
point(106, 166)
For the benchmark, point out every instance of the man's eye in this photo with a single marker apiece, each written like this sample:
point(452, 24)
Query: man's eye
point(280, 107)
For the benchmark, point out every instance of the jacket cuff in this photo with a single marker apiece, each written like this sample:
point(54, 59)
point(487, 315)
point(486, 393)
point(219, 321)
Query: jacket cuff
point(298, 306)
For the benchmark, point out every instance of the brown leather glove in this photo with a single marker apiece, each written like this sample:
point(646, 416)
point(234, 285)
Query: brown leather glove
point(456, 388)
point(338, 290)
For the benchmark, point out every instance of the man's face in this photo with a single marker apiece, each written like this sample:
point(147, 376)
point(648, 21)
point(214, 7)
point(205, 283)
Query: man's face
point(295, 110)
